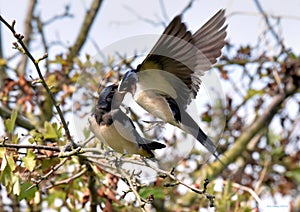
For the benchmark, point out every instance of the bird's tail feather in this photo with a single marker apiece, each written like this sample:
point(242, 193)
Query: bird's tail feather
point(192, 127)
point(147, 146)
point(152, 145)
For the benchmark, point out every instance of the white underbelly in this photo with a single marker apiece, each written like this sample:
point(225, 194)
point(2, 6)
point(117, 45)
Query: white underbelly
point(155, 105)
point(163, 83)
point(114, 137)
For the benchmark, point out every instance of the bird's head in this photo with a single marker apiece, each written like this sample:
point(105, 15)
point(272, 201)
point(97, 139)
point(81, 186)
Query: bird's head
point(110, 98)
point(106, 96)
point(128, 83)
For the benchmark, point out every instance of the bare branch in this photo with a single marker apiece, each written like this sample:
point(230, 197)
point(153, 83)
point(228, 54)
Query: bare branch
point(46, 176)
point(68, 180)
point(93, 190)
point(146, 20)
point(27, 35)
point(187, 7)
point(20, 121)
point(28, 146)
point(65, 14)
point(102, 159)
point(19, 38)
point(240, 144)
point(85, 28)
point(265, 15)
point(132, 188)
point(245, 188)
point(163, 10)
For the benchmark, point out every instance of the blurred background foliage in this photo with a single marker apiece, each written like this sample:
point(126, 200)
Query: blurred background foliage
point(260, 140)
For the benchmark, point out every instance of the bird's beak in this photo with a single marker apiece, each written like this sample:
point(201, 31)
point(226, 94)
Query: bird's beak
point(128, 83)
point(129, 87)
point(118, 99)
point(132, 88)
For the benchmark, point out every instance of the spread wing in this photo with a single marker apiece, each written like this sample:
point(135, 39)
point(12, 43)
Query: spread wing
point(186, 56)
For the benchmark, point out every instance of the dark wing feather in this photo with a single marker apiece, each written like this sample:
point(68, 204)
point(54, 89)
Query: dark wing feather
point(185, 55)
point(146, 144)
point(209, 39)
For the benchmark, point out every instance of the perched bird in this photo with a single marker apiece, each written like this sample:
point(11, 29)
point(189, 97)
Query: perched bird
point(168, 79)
point(115, 129)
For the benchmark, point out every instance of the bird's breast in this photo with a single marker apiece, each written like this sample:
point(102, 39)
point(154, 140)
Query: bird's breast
point(159, 80)
point(156, 105)
point(114, 136)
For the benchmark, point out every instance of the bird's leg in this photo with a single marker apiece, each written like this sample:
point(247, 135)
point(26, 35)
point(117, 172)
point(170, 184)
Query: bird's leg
point(153, 124)
point(108, 153)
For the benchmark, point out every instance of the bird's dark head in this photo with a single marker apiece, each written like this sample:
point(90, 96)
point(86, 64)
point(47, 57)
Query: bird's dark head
point(110, 98)
point(106, 96)
point(128, 83)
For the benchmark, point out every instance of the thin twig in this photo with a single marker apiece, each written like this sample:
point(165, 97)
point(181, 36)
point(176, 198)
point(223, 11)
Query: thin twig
point(36, 64)
point(293, 17)
point(240, 144)
point(132, 188)
point(264, 14)
point(116, 171)
point(29, 146)
point(262, 176)
point(144, 19)
point(187, 7)
point(65, 14)
point(106, 167)
point(40, 28)
point(68, 180)
point(46, 176)
point(163, 10)
point(245, 188)
point(277, 38)
point(173, 177)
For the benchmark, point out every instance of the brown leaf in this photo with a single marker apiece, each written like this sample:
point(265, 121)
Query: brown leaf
point(85, 198)
point(108, 206)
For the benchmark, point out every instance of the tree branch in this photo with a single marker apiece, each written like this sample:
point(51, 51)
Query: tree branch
point(264, 14)
point(27, 35)
point(248, 133)
point(92, 190)
point(245, 188)
point(84, 29)
point(28, 146)
point(99, 155)
point(46, 176)
point(24, 49)
point(132, 188)
point(20, 121)
point(68, 180)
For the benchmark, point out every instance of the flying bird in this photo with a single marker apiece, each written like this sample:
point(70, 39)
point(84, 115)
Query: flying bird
point(169, 77)
point(115, 129)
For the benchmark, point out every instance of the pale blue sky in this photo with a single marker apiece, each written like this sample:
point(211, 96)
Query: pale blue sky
point(116, 22)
